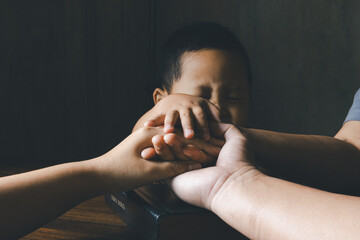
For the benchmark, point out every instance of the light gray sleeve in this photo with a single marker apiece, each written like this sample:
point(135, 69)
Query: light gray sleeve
point(354, 112)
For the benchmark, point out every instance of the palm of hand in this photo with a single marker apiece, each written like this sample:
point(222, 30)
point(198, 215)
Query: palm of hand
point(200, 186)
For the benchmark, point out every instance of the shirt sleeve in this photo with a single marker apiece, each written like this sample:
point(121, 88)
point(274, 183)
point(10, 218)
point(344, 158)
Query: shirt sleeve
point(354, 112)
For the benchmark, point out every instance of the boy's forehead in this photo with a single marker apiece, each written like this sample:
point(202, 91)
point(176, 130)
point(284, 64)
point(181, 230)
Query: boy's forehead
point(212, 66)
point(211, 56)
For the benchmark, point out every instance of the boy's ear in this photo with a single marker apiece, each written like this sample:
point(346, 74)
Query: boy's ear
point(159, 94)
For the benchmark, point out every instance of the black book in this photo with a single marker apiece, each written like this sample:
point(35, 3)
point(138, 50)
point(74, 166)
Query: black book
point(154, 212)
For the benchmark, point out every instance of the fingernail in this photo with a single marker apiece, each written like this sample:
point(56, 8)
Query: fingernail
point(188, 133)
point(158, 145)
point(194, 166)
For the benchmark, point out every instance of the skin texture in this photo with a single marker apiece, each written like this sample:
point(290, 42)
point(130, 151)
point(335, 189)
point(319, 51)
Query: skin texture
point(263, 207)
point(31, 199)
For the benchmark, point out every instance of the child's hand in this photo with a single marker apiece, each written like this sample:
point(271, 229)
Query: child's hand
point(192, 111)
point(173, 146)
point(123, 168)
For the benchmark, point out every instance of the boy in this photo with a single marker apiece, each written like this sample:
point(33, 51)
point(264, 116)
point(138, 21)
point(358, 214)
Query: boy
point(205, 71)
point(204, 60)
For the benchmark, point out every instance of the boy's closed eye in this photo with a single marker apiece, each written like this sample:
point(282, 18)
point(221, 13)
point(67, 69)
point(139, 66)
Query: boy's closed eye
point(236, 98)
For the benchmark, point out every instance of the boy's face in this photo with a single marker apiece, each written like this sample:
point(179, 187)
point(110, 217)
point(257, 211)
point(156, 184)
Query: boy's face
point(221, 78)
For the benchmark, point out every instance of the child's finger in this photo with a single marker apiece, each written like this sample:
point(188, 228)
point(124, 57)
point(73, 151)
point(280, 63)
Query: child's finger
point(176, 146)
point(162, 149)
point(148, 153)
point(187, 123)
point(201, 122)
point(155, 122)
point(197, 155)
point(170, 121)
point(205, 146)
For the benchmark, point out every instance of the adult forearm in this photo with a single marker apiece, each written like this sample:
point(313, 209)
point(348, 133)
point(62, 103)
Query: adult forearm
point(263, 207)
point(318, 161)
point(31, 199)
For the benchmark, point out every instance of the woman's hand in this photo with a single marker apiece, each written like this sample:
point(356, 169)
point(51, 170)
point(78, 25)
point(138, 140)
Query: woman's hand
point(200, 187)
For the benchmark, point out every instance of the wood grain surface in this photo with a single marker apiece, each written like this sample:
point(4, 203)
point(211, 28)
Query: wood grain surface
point(90, 220)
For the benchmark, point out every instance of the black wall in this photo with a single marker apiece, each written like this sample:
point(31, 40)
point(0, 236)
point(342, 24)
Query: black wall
point(76, 75)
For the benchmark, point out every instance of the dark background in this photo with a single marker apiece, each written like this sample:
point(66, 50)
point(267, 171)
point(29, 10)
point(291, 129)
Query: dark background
point(76, 75)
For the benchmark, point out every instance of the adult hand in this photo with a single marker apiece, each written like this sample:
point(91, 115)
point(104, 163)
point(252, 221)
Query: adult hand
point(200, 187)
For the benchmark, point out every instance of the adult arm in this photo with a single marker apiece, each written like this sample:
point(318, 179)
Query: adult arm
point(325, 162)
point(263, 207)
point(329, 163)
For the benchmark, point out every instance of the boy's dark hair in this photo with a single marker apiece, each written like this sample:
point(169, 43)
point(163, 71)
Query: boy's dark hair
point(194, 37)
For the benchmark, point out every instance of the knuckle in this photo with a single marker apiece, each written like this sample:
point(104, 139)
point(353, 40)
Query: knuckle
point(171, 112)
point(199, 112)
point(193, 102)
point(185, 113)
point(197, 109)
point(146, 129)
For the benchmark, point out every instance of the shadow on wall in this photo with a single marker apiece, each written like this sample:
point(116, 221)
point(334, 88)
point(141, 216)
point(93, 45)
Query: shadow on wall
point(75, 75)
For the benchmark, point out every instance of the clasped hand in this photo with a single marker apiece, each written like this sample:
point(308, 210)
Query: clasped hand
point(202, 187)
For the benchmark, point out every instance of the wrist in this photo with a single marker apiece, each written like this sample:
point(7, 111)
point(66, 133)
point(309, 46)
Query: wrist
point(229, 193)
point(96, 176)
point(243, 200)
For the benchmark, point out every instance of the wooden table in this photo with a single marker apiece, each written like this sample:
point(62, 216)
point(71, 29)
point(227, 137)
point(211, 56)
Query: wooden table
point(90, 220)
